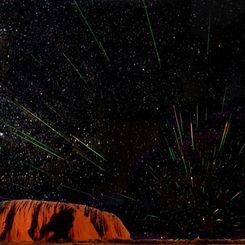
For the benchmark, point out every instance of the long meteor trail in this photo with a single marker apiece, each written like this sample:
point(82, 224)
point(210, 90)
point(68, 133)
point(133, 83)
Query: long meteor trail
point(28, 138)
point(178, 125)
point(36, 143)
point(92, 32)
point(152, 33)
point(225, 132)
point(55, 131)
point(88, 147)
point(43, 122)
point(127, 197)
point(223, 100)
point(58, 133)
point(74, 67)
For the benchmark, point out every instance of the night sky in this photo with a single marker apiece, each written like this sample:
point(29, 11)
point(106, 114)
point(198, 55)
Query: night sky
point(134, 107)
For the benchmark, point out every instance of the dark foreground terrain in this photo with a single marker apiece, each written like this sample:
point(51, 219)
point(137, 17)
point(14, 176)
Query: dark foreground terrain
point(140, 242)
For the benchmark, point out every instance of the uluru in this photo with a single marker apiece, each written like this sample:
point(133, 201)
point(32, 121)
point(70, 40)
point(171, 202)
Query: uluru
point(29, 220)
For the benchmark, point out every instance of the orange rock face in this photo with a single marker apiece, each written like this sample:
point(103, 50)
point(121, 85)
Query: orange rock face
point(28, 220)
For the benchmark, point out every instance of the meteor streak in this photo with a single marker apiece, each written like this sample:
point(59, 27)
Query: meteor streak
point(28, 138)
point(225, 132)
point(92, 32)
point(223, 100)
point(127, 197)
point(38, 169)
point(56, 132)
point(37, 143)
point(236, 195)
point(152, 33)
point(43, 122)
point(178, 125)
point(95, 152)
point(170, 149)
point(36, 59)
point(74, 67)
point(241, 150)
point(192, 137)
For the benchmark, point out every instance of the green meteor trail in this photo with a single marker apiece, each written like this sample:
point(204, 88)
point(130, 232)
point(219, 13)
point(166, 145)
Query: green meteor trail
point(96, 153)
point(56, 132)
point(28, 138)
point(38, 169)
point(152, 33)
point(82, 155)
point(42, 121)
point(223, 100)
point(127, 197)
point(178, 125)
point(92, 32)
point(184, 162)
point(39, 63)
point(32, 139)
point(74, 67)
point(170, 149)
point(36, 143)
point(171, 152)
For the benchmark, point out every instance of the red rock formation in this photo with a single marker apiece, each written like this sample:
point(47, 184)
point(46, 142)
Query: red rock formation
point(27, 220)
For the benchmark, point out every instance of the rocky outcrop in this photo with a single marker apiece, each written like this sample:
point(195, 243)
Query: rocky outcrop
point(28, 220)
